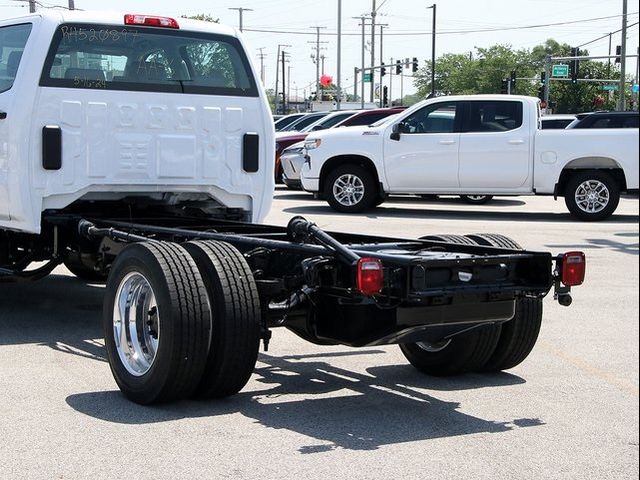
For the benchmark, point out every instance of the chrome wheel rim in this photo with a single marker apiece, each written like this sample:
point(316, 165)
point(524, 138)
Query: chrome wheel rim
point(434, 347)
point(476, 198)
point(136, 324)
point(348, 190)
point(592, 196)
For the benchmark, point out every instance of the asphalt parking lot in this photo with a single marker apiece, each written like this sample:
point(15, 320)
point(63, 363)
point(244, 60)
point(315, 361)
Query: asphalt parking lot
point(569, 411)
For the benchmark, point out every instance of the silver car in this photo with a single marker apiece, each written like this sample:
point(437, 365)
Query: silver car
point(292, 159)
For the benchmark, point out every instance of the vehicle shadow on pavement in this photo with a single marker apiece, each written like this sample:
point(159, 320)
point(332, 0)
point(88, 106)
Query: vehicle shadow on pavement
point(60, 312)
point(339, 409)
point(600, 243)
point(473, 213)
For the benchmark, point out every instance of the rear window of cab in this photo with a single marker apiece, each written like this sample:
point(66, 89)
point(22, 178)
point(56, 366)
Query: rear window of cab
point(110, 57)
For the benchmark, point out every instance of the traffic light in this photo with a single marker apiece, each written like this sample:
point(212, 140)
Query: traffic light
point(414, 65)
point(383, 71)
point(513, 79)
point(504, 88)
point(385, 96)
point(543, 77)
point(398, 67)
point(574, 65)
point(541, 92)
point(618, 53)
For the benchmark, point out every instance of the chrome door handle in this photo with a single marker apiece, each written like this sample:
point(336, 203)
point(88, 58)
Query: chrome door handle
point(447, 142)
point(516, 142)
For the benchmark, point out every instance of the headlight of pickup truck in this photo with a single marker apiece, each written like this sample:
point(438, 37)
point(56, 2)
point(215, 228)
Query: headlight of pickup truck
point(312, 144)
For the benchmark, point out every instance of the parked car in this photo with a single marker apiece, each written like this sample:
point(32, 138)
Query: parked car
point(556, 122)
point(473, 145)
point(292, 157)
point(284, 139)
point(304, 121)
point(287, 120)
point(606, 120)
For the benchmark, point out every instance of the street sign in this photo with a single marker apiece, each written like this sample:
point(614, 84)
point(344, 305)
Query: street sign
point(610, 88)
point(634, 88)
point(368, 76)
point(560, 71)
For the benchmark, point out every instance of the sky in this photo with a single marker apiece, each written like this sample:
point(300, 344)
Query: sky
point(407, 35)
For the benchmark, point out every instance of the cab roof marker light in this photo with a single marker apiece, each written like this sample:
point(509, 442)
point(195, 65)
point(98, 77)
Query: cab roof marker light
point(150, 21)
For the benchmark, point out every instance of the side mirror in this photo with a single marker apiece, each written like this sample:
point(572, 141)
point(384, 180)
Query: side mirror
point(396, 131)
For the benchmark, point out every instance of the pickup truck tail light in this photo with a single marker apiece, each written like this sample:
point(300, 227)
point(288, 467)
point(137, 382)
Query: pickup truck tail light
point(573, 268)
point(150, 21)
point(370, 276)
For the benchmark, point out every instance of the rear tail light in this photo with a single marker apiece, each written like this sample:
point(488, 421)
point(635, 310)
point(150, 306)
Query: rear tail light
point(150, 21)
point(370, 276)
point(573, 268)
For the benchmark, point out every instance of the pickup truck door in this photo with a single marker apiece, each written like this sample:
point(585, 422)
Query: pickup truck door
point(425, 158)
point(495, 146)
point(13, 39)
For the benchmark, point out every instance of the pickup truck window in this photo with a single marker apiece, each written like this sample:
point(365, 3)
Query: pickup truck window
point(12, 42)
point(492, 116)
point(434, 118)
point(147, 59)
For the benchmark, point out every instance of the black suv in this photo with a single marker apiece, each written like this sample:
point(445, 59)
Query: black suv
point(605, 120)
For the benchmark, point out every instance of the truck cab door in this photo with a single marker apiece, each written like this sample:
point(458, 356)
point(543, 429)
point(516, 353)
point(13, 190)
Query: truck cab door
point(495, 147)
point(13, 39)
point(422, 155)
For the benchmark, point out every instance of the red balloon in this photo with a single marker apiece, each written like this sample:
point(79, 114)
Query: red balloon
point(326, 80)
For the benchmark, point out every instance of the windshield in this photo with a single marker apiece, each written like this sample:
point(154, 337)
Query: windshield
point(328, 121)
point(390, 118)
point(304, 122)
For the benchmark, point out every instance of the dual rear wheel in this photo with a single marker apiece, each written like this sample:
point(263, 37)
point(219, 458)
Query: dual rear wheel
point(181, 321)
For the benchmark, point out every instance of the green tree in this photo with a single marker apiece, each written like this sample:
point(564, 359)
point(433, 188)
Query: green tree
point(204, 17)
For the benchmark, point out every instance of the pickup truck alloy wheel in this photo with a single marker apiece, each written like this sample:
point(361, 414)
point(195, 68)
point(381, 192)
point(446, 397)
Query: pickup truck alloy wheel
point(348, 190)
point(477, 199)
point(592, 195)
point(157, 322)
point(136, 326)
point(351, 189)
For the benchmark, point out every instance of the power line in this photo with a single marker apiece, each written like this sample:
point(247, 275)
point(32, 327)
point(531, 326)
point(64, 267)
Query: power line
point(606, 35)
point(445, 32)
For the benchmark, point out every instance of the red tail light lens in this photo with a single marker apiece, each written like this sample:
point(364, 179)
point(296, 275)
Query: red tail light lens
point(370, 276)
point(574, 265)
point(150, 21)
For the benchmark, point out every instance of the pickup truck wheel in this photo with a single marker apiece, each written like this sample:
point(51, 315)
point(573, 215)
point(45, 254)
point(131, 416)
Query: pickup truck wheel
point(592, 195)
point(236, 327)
point(519, 336)
point(477, 199)
point(462, 353)
point(157, 322)
point(351, 189)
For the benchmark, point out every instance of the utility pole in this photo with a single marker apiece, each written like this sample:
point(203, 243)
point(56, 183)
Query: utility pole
point(382, 26)
point(355, 82)
point(609, 61)
point(322, 59)
point(623, 57)
point(391, 70)
point(32, 6)
point(373, 46)
point(241, 11)
point(262, 56)
point(288, 83)
point(317, 60)
point(339, 66)
point(433, 52)
point(284, 97)
point(547, 79)
point(363, 25)
point(277, 99)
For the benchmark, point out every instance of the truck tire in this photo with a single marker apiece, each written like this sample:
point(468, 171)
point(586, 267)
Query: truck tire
point(449, 238)
point(157, 322)
point(592, 195)
point(477, 199)
point(519, 336)
point(494, 240)
point(350, 189)
point(463, 353)
point(236, 326)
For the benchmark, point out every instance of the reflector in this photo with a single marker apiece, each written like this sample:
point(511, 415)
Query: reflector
point(573, 268)
point(370, 276)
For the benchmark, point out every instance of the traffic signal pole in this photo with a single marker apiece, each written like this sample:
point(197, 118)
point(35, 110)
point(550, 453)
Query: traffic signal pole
point(623, 57)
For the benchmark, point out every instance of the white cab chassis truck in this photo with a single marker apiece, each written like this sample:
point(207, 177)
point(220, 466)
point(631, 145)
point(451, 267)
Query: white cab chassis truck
point(138, 150)
point(476, 146)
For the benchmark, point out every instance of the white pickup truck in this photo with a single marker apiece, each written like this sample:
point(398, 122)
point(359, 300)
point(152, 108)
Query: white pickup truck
point(139, 150)
point(479, 145)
